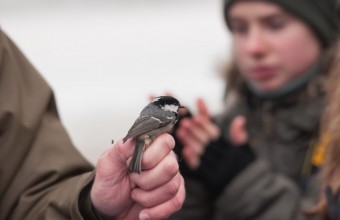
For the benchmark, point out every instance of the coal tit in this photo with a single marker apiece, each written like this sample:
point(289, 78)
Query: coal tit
point(158, 117)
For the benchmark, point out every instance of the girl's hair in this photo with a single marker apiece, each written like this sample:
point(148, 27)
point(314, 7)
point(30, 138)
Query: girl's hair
point(330, 127)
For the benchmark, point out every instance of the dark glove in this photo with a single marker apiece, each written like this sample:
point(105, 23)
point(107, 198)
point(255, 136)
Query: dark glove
point(221, 162)
point(333, 204)
point(183, 167)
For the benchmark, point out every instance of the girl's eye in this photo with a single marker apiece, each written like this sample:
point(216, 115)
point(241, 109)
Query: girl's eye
point(276, 23)
point(238, 28)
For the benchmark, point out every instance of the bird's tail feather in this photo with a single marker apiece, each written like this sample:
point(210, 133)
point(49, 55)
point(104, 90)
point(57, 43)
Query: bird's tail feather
point(136, 161)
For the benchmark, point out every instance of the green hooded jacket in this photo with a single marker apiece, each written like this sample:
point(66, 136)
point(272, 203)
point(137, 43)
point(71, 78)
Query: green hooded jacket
point(42, 175)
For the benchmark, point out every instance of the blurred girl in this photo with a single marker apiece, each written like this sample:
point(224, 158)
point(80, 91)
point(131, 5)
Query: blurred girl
point(260, 158)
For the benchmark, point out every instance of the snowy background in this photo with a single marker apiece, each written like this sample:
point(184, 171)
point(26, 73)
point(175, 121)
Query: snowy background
point(104, 58)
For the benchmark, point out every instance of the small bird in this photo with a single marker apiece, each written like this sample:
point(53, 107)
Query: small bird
point(158, 117)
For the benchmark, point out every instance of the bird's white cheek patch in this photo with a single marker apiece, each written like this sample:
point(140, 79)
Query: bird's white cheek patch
point(172, 108)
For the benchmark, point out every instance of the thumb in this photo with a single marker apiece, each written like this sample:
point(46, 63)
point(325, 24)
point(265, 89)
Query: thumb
point(238, 133)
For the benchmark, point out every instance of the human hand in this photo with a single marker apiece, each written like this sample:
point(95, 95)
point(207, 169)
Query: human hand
point(237, 132)
point(195, 133)
point(156, 193)
point(225, 158)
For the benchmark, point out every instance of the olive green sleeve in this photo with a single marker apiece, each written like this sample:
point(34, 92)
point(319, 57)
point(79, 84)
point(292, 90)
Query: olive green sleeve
point(42, 174)
point(49, 181)
point(260, 194)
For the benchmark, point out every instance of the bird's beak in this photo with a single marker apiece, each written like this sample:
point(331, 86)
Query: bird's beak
point(181, 106)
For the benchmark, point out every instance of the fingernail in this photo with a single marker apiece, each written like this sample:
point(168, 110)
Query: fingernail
point(144, 216)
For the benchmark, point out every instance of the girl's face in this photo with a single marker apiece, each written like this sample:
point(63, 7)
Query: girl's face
point(271, 47)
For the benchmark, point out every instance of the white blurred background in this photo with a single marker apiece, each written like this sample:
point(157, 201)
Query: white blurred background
point(104, 58)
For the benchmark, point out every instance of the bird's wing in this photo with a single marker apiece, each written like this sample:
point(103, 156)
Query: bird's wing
point(145, 124)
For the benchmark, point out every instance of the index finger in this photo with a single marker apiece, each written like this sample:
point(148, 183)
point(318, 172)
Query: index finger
point(158, 149)
point(202, 107)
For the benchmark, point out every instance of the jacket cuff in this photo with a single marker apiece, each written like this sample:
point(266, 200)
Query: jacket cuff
point(85, 204)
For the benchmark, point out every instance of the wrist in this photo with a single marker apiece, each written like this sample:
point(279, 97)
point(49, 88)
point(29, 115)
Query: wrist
point(221, 163)
point(86, 206)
